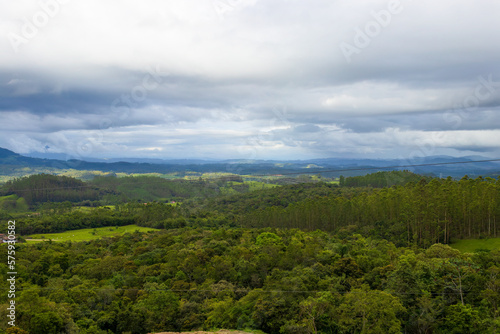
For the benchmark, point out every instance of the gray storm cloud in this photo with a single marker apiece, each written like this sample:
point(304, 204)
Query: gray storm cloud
point(234, 79)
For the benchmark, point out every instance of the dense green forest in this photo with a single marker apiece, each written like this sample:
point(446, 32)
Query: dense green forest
point(425, 212)
point(42, 188)
point(363, 255)
point(275, 280)
point(382, 179)
point(422, 212)
point(110, 189)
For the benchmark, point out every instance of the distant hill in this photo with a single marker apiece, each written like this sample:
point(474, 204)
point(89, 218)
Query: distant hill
point(4, 153)
point(332, 167)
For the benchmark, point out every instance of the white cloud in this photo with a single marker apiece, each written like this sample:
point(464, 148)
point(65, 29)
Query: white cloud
point(263, 76)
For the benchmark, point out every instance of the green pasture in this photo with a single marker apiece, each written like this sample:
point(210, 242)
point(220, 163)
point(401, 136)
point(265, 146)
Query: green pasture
point(90, 209)
point(257, 185)
point(471, 245)
point(13, 203)
point(88, 233)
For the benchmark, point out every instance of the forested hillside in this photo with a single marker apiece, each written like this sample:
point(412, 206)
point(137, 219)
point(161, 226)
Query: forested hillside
point(44, 188)
point(422, 213)
point(150, 188)
point(36, 189)
point(316, 257)
point(382, 179)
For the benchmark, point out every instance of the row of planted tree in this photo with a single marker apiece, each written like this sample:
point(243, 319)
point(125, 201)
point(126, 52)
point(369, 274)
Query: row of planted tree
point(422, 212)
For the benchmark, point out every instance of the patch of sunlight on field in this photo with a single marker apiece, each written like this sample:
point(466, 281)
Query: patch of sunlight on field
point(257, 185)
point(88, 233)
point(90, 209)
point(471, 245)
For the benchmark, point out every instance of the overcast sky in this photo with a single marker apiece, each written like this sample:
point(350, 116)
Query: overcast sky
point(250, 79)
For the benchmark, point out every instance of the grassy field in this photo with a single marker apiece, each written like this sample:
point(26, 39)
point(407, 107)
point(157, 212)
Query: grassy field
point(471, 245)
point(88, 233)
point(13, 203)
point(90, 209)
point(257, 185)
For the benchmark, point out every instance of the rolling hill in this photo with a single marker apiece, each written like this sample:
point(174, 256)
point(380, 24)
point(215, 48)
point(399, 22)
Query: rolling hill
point(442, 166)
